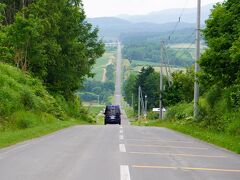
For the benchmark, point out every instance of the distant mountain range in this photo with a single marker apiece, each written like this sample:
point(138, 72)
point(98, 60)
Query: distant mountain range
point(162, 21)
point(111, 28)
point(188, 15)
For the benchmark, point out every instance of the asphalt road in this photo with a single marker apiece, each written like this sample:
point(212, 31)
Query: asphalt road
point(116, 152)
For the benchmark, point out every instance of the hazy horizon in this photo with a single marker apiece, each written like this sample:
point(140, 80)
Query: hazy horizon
point(108, 8)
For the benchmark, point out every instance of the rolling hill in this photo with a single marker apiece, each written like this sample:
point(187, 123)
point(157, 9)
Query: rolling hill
point(188, 15)
point(155, 22)
point(112, 27)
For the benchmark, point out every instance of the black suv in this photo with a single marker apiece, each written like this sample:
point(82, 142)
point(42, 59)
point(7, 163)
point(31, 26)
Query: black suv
point(112, 115)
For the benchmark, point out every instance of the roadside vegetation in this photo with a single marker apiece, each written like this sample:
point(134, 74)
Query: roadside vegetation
point(47, 50)
point(218, 119)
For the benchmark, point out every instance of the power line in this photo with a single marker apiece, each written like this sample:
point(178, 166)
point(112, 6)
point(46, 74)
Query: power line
point(186, 50)
point(189, 37)
point(178, 22)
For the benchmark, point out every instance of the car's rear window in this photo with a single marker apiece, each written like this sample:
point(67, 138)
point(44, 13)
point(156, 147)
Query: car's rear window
point(112, 110)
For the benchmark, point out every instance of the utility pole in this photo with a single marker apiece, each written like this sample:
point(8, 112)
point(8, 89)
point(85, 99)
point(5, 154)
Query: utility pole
point(197, 67)
point(139, 102)
point(161, 84)
point(145, 114)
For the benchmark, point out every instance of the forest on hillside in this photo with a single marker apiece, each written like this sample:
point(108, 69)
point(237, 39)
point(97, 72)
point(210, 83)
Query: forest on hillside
point(145, 47)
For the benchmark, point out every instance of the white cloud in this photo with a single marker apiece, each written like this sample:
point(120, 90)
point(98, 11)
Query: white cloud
point(98, 8)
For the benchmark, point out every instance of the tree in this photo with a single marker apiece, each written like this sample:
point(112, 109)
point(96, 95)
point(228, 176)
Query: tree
point(152, 89)
point(53, 41)
point(220, 63)
point(12, 7)
point(182, 88)
point(129, 88)
point(149, 83)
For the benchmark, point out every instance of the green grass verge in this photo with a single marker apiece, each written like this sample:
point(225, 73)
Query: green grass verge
point(11, 137)
point(226, 141)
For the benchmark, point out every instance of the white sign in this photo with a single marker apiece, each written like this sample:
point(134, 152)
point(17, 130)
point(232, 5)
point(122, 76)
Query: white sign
point(158, 110)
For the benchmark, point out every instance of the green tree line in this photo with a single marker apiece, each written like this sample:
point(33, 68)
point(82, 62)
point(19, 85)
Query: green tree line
point(181, 89)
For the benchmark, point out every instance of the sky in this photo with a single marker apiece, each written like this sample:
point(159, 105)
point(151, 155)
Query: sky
point(105, 8)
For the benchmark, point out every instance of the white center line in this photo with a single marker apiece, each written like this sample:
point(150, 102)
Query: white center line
point(124, 172)
point(121, 137)
point(122, 148)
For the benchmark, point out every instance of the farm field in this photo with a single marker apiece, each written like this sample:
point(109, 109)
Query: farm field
point(136, 66)
point(101, 65)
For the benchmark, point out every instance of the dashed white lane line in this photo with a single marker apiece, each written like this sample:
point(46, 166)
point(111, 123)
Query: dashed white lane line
point(121, 137)
point(124, 172)
point(122, 148)
point(121, 127)
point(121, 131)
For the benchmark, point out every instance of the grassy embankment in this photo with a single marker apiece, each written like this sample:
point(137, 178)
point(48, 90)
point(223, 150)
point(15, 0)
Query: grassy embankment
point(27, 110)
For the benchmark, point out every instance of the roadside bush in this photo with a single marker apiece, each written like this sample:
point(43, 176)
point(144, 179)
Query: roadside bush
point(73, 108)
point(233, 97)
point(218, 110)
point(27, 99)
point(213, 95)
point(180, 111)
point(152, 115)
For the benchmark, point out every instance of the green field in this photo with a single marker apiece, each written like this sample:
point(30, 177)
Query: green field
point(101, 63)
point(136, 66)
point(143, 63)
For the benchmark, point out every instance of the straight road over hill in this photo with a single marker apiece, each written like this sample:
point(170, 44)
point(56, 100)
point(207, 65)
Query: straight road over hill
point(115, 152)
